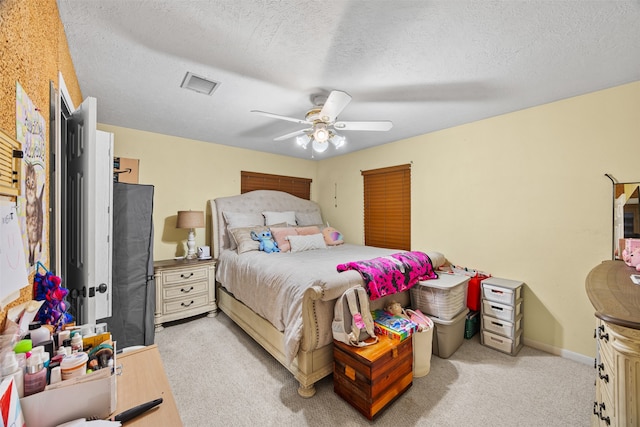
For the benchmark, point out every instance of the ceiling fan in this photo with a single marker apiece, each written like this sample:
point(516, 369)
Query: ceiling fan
point(322, 122)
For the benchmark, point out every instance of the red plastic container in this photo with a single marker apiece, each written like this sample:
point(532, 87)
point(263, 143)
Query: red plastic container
point(474, 292)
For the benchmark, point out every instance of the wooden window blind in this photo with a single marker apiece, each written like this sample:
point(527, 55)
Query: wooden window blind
point(387, 207)
point(300, 187)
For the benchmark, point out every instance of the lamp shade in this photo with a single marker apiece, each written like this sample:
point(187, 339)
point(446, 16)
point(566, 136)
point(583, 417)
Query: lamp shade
point(190, 219)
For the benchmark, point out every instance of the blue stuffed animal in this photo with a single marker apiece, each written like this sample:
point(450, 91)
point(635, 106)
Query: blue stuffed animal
point(267, 243)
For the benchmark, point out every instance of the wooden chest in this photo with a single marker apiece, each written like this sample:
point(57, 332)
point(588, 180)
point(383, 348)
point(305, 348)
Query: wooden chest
point(372, 377)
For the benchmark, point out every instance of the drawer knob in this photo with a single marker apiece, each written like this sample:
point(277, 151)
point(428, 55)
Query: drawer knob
point(185, 276)
point(186, 305)
point(605, 337)
point(604, 377)
point(186, 290)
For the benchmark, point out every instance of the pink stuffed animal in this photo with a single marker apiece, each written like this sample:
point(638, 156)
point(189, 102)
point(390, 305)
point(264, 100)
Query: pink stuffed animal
point(632, 259)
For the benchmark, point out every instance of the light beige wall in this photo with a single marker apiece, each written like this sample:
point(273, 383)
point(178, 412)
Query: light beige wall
point(186, 173)
point(522, 196)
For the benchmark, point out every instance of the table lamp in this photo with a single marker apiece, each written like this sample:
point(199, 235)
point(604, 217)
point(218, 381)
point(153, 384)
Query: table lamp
point(190, 220)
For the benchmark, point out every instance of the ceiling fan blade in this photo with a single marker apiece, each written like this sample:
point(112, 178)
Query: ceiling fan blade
point(335, 103)
point(277, 116)
point(292, 134)
point(381, 125)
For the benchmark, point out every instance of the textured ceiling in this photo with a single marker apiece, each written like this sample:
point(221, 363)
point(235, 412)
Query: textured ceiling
point(424, 65)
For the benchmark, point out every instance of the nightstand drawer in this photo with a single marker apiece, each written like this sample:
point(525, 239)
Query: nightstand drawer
point(187, 303)
point(184, 290)
point(185, 275)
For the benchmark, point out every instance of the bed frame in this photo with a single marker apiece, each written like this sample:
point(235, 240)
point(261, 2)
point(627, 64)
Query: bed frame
point(312, 363)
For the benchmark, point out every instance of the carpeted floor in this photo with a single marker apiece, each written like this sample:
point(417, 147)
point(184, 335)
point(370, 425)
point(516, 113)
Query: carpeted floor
point(221, 377)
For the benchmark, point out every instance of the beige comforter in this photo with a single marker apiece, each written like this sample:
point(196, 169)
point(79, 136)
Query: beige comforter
point(273, 284)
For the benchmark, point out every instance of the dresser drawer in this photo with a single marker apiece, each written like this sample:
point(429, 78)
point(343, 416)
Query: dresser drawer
point(187, 303)
point(499, 294)
point(501, 311)
point(502, 327)
point(173, 277)
point(506, 345)
point(184, 290)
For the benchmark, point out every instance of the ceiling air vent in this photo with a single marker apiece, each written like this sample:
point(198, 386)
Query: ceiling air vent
point(199, 84)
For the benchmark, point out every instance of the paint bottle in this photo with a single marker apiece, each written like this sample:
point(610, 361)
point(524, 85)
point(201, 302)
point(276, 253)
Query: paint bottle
point(76, 342)
point(11, 368)
point(35, 380)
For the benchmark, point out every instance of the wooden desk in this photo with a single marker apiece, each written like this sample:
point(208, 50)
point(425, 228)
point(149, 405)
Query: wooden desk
point(143, 379)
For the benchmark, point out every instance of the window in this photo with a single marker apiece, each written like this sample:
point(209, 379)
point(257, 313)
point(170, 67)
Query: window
point(387, 207)
point(300, 187)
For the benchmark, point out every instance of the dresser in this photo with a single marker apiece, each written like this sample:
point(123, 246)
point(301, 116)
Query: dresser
point(501, 321)
point(184, 288)
point(616, 301)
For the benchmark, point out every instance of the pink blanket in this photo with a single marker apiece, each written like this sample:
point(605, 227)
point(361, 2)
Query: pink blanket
point(393, 273)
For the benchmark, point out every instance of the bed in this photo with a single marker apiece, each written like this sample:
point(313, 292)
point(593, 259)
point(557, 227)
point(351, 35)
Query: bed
point(286, 304)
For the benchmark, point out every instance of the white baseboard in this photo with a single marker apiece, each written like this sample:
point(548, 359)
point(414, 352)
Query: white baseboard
point(587, 360)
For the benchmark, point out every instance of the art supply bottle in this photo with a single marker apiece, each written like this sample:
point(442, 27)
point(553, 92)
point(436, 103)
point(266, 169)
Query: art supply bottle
point(11, 368)
point(76, 342)
point(38, 333)
point(35, 380)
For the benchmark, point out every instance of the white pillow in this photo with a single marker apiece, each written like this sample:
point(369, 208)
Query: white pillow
point(307, 243)
point(242, 219)
point(309, 218)
point(278, 217)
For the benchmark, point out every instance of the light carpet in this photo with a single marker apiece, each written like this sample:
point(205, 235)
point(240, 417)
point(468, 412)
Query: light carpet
point(221, 377)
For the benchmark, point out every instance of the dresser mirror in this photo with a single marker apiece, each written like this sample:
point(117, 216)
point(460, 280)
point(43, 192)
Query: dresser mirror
point(626, 215)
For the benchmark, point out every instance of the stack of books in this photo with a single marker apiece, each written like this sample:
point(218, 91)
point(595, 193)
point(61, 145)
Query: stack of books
point(395, 327)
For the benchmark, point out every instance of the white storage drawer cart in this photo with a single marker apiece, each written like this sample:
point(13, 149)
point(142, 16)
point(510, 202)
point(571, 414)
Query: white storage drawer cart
point(501, 322)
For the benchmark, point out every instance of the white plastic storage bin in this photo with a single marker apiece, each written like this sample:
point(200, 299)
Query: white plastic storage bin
point(501, 327)
point(501, 311)
point(444, 297)
point(500, 343)
point(501, 290)
point(448, 335)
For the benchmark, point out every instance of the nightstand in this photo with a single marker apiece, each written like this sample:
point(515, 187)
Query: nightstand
point(184, 288)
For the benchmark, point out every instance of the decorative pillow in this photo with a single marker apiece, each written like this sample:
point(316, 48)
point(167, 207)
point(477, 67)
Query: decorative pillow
point(243, 240)
point(307, 231)
point(277, 217)
point(332, 237)
point(308, 218)
point(241, 219)
point(307, 243)
point(281, 236)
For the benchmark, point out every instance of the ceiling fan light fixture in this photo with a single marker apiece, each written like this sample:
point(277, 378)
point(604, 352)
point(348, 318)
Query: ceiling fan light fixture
point(338, 140)
point(321, 133)
point(303, 140)
point(320, 146)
